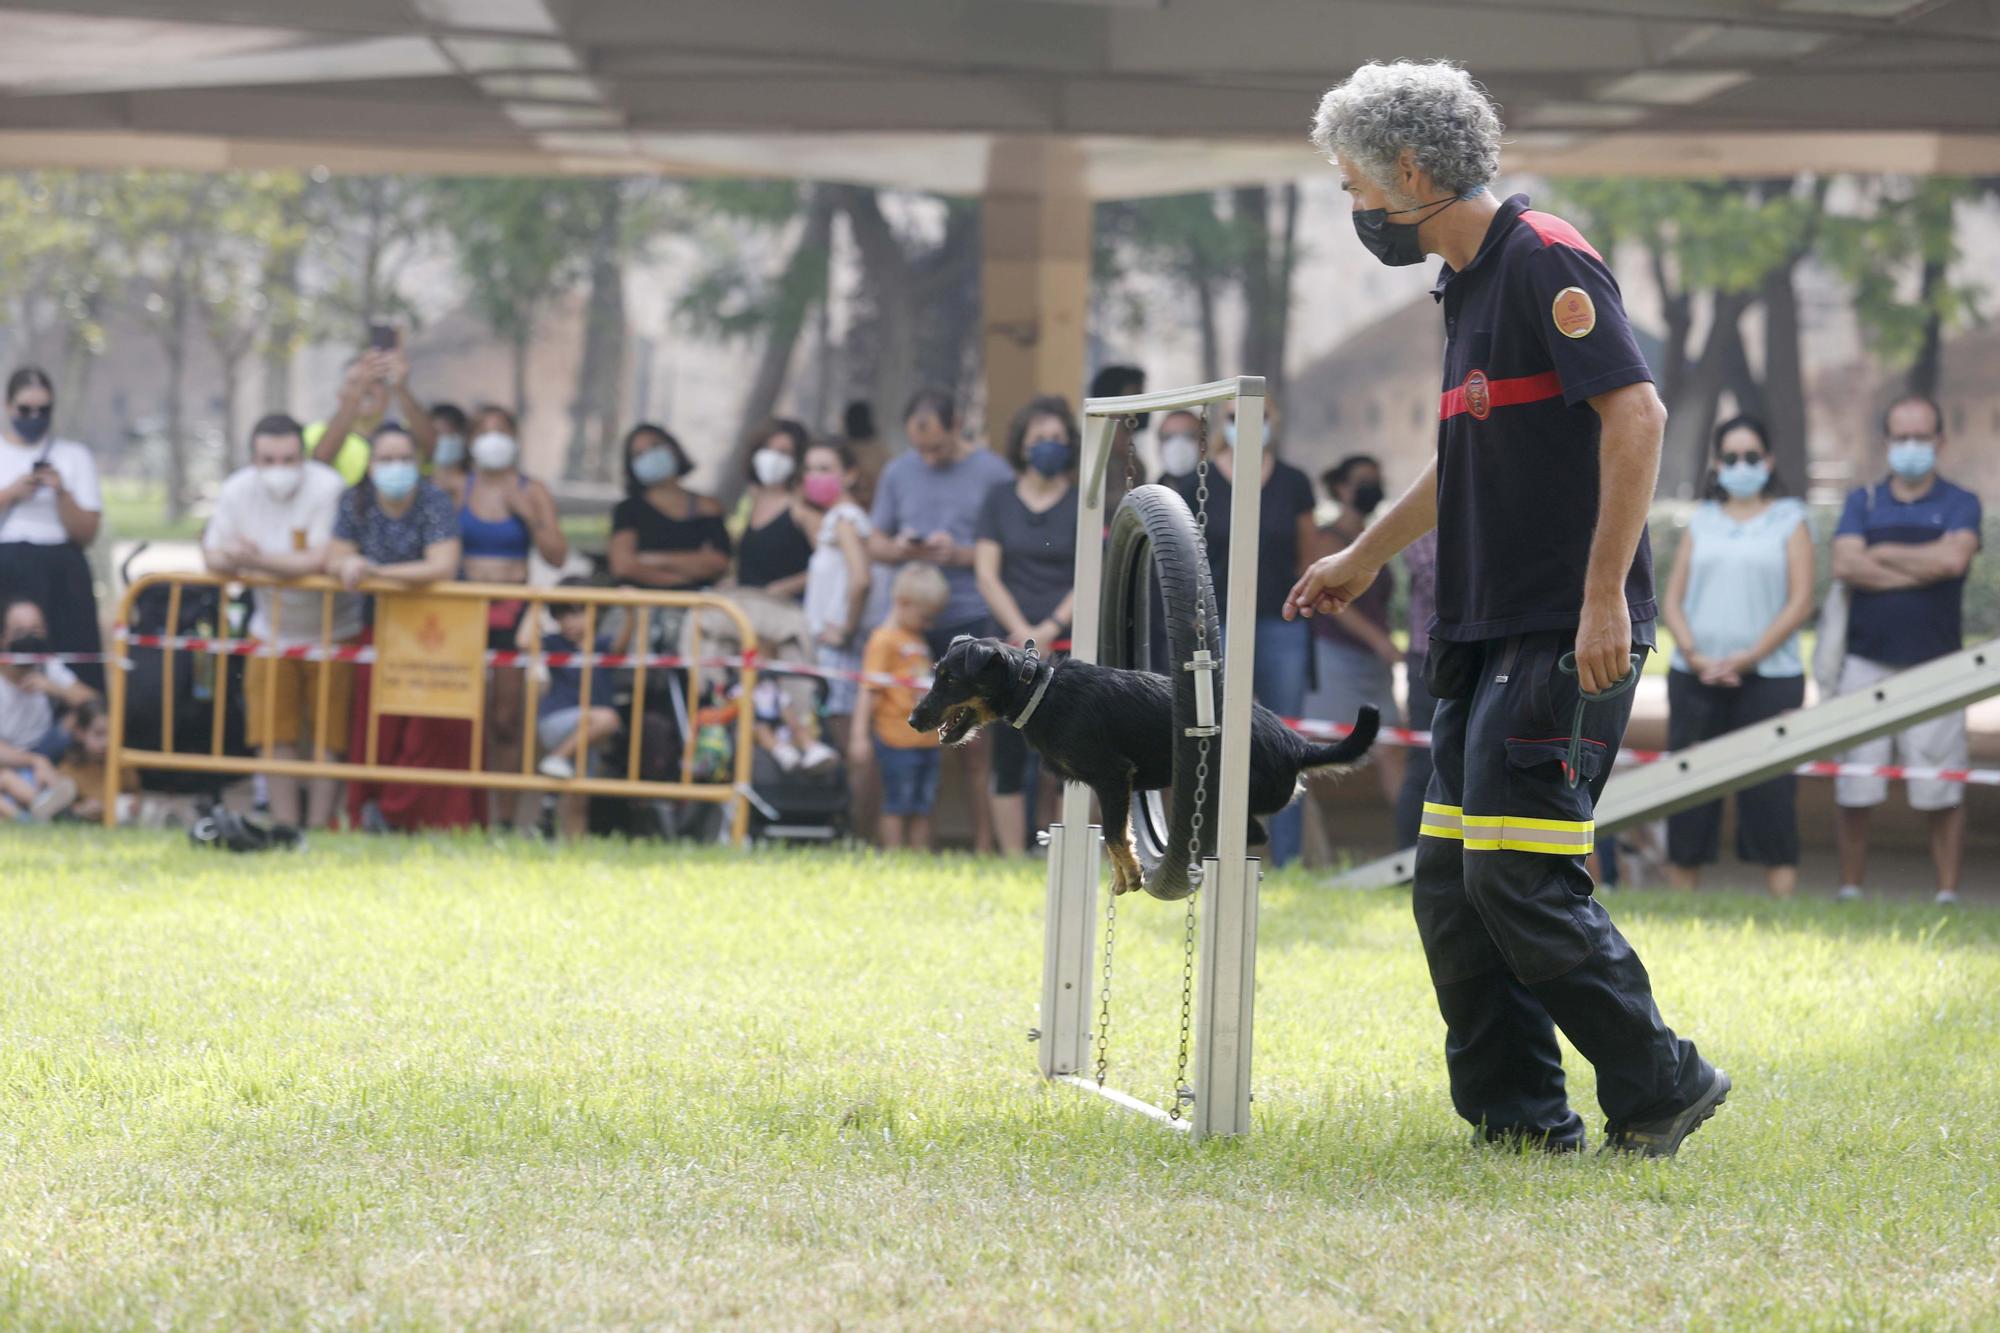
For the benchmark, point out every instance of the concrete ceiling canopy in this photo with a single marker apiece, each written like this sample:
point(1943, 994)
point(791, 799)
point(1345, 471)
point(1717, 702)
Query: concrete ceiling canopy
point(1155, 96)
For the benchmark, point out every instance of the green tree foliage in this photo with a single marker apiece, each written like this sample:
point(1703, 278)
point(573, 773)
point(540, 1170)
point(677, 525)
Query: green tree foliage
point(517, 242)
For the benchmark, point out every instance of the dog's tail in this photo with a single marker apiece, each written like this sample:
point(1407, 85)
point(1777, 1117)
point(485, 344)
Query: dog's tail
point(1349, 748)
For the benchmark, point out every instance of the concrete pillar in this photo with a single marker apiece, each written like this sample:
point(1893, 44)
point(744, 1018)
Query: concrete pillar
point(1035, 276)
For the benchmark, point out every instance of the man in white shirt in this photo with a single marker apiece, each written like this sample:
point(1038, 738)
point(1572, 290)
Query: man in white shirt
point(273, 520)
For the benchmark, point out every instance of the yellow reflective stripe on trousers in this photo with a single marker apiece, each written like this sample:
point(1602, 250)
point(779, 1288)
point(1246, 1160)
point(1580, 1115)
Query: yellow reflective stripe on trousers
point(1441, 821)
point(1523, 833)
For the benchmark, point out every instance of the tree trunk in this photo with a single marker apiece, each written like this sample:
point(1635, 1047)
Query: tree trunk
point(1252, 215)
point(1928, 368)
point(175, 346)
point(1784, 378)
point(1281, 297)
point(801, 284)
point(235, 450)
point(1202, 279)
point(520, 351)
point(281, 284)
point(1691, 416)
point(594, 414)
point(1677, 309)
point(891, 290)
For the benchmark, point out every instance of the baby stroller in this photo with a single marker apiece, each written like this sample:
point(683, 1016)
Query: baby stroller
point(798, 782)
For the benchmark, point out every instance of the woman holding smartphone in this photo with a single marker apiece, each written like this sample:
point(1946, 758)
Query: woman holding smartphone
point(50, 509)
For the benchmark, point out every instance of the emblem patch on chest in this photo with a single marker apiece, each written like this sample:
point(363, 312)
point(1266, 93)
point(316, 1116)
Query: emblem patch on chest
point(1575, 313)
point(1478, 396)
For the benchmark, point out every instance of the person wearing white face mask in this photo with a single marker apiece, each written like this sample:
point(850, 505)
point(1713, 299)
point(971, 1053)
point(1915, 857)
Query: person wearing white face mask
point(1903, 548)
point(274, 519)
point(1740, 588)
point(503, 515)
point(779, 528)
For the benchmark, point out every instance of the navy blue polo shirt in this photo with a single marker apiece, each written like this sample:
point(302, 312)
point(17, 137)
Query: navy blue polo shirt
point(1905, 626)
point(1534, 327)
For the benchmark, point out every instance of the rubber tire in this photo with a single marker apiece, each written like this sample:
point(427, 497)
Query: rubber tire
point(1153, 545)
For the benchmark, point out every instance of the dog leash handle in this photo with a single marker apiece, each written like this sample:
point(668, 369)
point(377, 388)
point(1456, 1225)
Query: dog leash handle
point(1572, 764)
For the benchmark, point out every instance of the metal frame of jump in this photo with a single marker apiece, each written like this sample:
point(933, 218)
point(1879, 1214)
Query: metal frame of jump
point(1766, 749)
point(1228, 927)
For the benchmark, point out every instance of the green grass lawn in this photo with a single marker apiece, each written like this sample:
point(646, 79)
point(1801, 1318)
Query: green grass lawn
point(443, 1083)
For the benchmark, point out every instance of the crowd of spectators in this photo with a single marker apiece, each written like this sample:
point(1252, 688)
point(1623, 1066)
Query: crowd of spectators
point(875, 559)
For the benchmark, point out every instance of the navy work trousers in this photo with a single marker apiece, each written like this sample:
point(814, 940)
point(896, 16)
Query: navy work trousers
point(1517, 944)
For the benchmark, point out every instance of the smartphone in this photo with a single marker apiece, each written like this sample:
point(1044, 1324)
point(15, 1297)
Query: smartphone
point(382, 337)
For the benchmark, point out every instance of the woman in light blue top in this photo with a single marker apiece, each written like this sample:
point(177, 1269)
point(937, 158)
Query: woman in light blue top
point(1740, 588)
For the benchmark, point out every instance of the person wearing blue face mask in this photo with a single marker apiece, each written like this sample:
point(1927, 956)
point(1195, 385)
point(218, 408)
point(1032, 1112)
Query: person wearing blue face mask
point(1903, 548)
point(396, 526)
point(1024, 557)
point(1740, 588)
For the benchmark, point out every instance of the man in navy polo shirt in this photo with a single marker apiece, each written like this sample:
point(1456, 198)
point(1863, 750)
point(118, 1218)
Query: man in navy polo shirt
point(1548, 446)
point(1903, 548)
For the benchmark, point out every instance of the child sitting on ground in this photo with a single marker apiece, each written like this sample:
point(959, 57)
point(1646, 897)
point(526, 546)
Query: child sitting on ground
point(908, 759)
point(566, 734)
point(83, 763)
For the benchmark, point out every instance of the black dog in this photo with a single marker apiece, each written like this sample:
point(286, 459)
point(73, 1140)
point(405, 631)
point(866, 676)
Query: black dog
point(1111, 730)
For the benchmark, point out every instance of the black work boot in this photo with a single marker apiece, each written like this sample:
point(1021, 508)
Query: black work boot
point(1662, 1137)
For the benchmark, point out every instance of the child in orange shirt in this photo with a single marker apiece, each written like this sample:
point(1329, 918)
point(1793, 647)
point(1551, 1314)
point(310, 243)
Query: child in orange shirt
point(908, 759)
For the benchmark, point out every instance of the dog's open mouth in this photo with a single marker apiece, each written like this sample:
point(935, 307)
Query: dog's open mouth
point(960, 725)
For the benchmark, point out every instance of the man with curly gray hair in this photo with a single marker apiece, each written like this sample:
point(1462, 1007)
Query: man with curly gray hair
point(1549, 438)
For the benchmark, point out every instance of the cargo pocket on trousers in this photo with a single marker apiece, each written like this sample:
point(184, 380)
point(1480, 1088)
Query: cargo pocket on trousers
point(1548, 757)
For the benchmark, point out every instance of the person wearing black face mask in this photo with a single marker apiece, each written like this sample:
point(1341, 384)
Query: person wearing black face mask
point(1548, 444)
point(50, 509)
point(1025, 559)
point(1353, 656)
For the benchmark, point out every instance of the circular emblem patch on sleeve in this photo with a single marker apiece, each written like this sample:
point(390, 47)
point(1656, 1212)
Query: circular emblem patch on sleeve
point(1575, 313)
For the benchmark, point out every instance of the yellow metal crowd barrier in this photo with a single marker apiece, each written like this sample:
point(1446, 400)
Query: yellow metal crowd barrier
point(430, 659)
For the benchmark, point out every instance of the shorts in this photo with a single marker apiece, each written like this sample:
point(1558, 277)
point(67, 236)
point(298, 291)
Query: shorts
point(909, 778)
point(503, 626)
point(840, 691)
point(1938, 743)
point(557, 726)
point(294, 711)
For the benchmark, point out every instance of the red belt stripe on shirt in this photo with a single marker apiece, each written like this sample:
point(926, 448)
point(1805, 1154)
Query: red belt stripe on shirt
point(1504, 393)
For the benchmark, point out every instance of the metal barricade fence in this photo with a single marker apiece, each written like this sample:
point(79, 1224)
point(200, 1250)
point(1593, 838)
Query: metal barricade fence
point(456, 672)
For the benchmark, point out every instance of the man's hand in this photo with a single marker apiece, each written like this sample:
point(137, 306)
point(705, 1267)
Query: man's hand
point(47, 478)
point(44, 771)
point(940, 548)
point(1330, 585)
point(1603, 643)
point(351, 571)
point(359, 376)
point(20, 489)
point(394, 368)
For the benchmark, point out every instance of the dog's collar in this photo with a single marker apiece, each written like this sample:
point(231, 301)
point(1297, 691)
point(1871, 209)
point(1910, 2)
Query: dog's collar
point(1044, 673)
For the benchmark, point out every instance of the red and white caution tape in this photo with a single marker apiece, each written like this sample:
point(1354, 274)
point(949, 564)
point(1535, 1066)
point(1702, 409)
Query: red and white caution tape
point(1313, 727)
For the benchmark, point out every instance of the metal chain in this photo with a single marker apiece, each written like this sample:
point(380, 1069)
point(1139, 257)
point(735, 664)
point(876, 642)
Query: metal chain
point(1131, 424)
point(1183, 1094)
point(1104, 995)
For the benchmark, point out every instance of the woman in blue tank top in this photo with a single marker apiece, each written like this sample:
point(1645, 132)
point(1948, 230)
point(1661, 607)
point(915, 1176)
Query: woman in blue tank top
point(502, 515)
point(1742, 584)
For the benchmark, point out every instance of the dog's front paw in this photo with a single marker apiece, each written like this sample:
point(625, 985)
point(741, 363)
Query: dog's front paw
point(1126, 876)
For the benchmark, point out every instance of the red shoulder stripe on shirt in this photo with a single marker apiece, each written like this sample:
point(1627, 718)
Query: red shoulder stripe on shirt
point(1500, 393)
point(1554, 231)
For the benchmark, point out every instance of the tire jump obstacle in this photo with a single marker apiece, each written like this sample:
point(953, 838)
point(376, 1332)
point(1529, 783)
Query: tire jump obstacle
point(1193, 842)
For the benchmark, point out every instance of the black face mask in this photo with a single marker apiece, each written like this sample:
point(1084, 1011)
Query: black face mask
point(31, 424)
point(1367, 498)
point(1395, 243)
